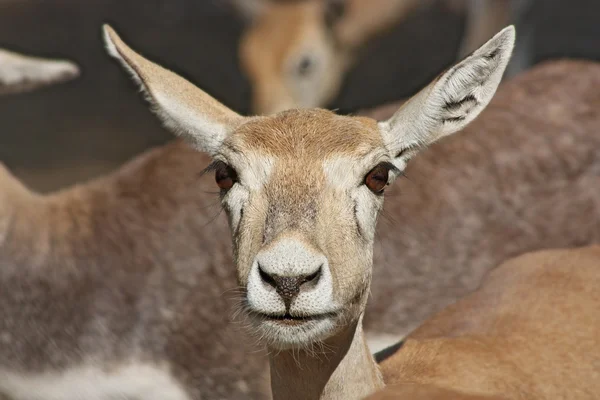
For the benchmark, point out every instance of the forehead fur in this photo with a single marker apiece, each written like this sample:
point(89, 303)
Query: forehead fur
point(315, 134)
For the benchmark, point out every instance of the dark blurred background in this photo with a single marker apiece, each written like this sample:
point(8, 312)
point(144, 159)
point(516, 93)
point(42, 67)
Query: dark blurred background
point(71, 132)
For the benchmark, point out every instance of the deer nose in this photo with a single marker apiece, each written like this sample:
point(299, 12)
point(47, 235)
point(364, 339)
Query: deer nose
point(288, 287)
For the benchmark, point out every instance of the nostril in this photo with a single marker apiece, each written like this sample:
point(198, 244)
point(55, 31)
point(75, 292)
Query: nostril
point(313, 278)
point(268, 279)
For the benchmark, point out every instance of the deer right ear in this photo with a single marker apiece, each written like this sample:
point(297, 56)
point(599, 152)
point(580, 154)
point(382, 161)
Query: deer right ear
point(182, 107)
point(450, 102)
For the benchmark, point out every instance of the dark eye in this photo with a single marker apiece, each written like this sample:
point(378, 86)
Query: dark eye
point(304, 67)
point(225, 176)
point(377, 179)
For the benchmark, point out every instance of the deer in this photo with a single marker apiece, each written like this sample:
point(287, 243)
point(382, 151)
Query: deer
point(302, 191)
point(155, 253)
point(22, 73)
point(528, 332)
point(297, 53)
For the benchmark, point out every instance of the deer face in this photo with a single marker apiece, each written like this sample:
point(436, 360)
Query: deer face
point(291, 56)
point(303, 188)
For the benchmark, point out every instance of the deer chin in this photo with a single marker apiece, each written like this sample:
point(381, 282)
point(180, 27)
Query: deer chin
point(285, 332)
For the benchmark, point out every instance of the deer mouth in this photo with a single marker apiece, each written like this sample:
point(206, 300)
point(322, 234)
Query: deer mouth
point(287, 331)
point(292, 320)
point(289, 320)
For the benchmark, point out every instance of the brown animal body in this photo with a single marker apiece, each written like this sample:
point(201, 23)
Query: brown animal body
point(135, 263)
point(134, 266)
point(529, 332)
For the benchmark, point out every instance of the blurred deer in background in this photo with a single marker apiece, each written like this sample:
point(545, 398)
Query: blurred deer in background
point(296, 53)
point(22, 73)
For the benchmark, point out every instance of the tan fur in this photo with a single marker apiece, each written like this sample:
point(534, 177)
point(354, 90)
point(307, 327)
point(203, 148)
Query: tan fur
point(529, 332)
point(426, 392)
point(318, 133)
point(280, 36)
point(281, 29)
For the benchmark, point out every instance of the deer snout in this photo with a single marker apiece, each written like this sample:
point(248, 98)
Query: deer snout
point(288, 287)
point(290, 278)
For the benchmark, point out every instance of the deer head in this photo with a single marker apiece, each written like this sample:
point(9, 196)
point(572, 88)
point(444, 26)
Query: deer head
point(291, 54)
point(303, 188)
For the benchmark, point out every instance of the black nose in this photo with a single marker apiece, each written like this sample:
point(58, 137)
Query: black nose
point(288, 287)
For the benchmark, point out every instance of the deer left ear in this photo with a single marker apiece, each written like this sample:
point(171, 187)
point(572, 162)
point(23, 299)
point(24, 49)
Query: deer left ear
point(450, 102)
point(182, 107)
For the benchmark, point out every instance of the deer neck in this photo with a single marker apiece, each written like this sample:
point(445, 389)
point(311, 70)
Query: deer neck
point(342, 368)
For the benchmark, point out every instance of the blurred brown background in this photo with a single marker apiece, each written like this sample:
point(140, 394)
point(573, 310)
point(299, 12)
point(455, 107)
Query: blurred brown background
point(68, 133)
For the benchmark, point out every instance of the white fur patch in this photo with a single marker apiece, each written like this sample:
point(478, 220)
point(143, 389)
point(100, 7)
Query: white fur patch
point(290, 257)
point(17, 69)
point(380, 341)
point(235, 200)
point(347, 174)
point(131, 381)
point(344, 172)
point(254, 172)
point(254, 169)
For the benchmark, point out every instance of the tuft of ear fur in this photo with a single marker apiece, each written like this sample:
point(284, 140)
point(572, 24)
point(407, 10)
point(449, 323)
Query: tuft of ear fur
point(182, 107)
point(451, 101)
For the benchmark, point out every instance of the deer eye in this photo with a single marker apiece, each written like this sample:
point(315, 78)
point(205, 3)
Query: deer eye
point(225, 176)
point(377, 179)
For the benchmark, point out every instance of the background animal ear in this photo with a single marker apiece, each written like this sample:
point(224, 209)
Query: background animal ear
point(451, 101)
point(334, 11)
point(22, 73)
point(182, 107)
point(250, 10)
